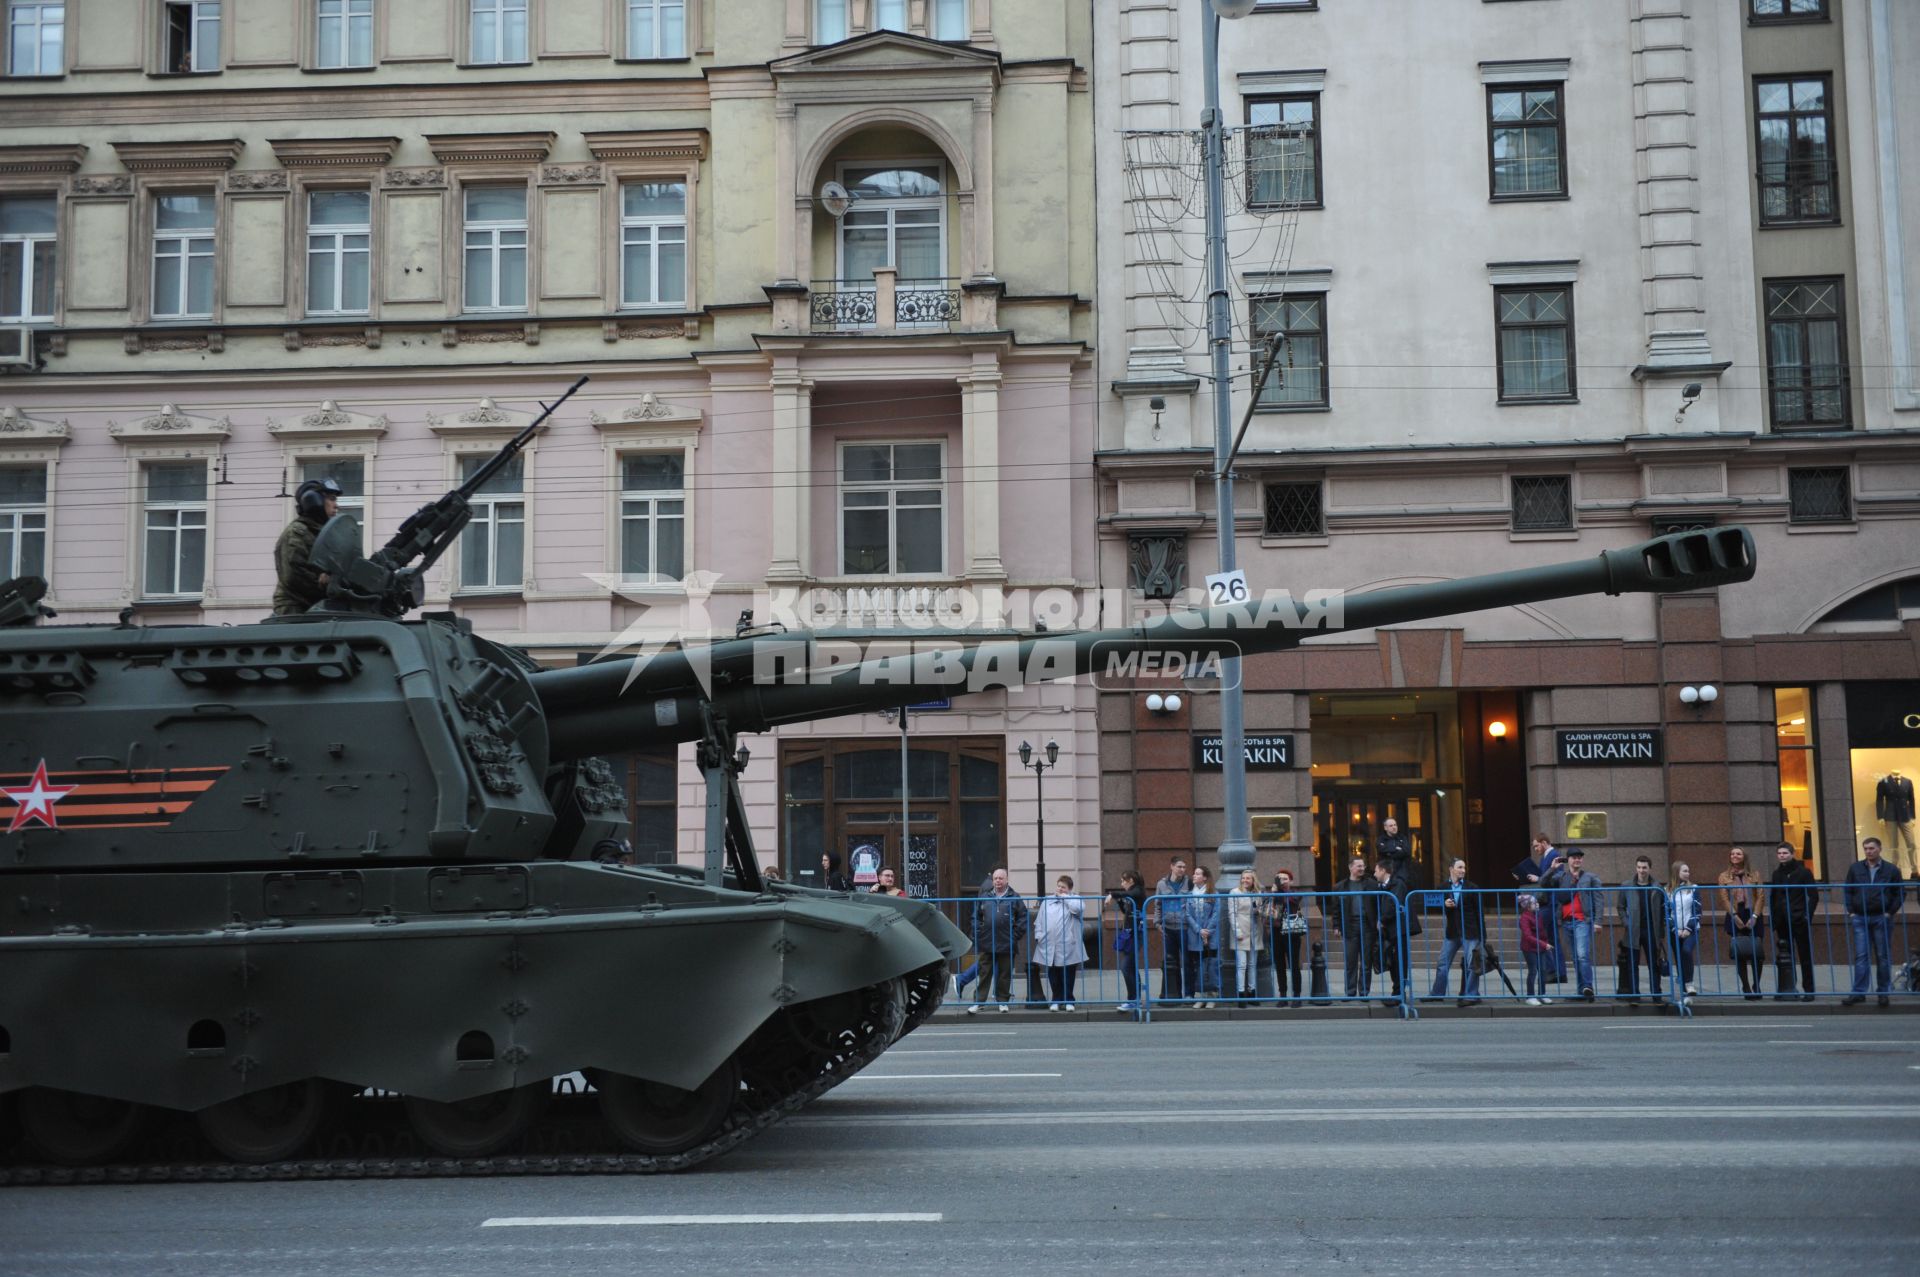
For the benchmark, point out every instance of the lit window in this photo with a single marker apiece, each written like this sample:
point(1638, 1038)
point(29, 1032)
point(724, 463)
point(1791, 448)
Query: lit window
point(176, 529)
point(339, 239)
point(892, 509)
point(499, 30)
point(496, 248)
point(493, 547)
point(653, 516)
point(183, 256)
point(27, 256)
point(23, 521)
point(36, 38)
point(345, 37)
point(191, 36)
point(653, 244)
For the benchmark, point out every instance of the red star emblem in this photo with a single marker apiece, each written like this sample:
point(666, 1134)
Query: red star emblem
point(36, 801)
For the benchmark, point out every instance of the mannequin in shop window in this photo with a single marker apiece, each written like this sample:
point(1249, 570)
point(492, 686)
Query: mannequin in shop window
point(1893, 804)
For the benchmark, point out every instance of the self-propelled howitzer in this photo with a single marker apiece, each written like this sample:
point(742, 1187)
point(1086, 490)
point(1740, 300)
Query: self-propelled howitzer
point(253, 871)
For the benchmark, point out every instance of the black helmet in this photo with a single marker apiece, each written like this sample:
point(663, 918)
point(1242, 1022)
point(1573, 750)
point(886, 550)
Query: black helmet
point(310, 498)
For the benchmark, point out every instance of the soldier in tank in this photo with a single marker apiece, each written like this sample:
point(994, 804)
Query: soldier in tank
point(300, 585)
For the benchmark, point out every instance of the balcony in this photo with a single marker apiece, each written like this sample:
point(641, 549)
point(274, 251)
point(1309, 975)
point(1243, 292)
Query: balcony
point(887, 304)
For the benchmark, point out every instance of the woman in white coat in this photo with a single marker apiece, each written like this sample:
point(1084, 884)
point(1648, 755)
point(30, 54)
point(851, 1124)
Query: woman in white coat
point(1248, 917)
point(1058, 944)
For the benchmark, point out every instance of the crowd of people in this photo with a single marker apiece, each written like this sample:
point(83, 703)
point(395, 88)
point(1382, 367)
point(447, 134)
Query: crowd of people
point(1209, 936)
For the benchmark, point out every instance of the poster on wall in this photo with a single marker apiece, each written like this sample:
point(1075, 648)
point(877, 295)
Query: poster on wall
point(863, 858)
point(923, 865)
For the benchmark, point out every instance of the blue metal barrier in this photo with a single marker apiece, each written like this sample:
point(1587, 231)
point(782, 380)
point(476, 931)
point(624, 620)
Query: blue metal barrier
point(1057, 953)
point(1821, 941)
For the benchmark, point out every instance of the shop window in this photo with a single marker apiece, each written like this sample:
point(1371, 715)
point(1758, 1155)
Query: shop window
point(1883, 737)
point(1295, 510)
point(1799, 777)
point(1542, 502)
point(1819, 494)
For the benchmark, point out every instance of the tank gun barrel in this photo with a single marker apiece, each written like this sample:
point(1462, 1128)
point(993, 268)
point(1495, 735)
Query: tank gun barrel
point(762, 682)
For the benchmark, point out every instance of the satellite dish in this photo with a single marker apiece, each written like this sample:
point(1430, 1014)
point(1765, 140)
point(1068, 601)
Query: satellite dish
point(836, 199)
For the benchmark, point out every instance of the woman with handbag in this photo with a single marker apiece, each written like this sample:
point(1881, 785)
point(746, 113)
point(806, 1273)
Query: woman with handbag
point(1247, 921)
point(1130, 899)
point(1289, 936)
point(1748, 931)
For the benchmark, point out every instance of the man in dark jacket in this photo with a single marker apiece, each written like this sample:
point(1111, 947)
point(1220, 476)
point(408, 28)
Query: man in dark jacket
point(1395, 849)
point(1465, 928)
point(1790, 899)
point(1643, 907)
point(1169, 903)
point(1873, 896)
point(299, 585)
point(1353, 918)
point(1389, 956)
point(999, 923)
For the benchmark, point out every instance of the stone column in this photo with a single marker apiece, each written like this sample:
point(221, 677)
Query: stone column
point(1668, 175)
point(980, 451)
point(792, 478)
point(792, 227)
point(982, 265)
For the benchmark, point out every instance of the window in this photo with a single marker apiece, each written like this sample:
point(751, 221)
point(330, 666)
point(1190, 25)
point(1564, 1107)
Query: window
point(1542, 502)
point(499, 30)
point(1799, 178)
point(176, 529)
point(1806, 353)
point(1299, 376)
point(1535, 329)
point(892, 509)
point(1819, 494)
point(23, 521)
point(653, 516)
point(1294, 510)
point(191, 37)
point(952, 20)
point(496, 245)
point(36, 38)
point(1283, 151)
point(653, 244)
point(898, 219)
point(1799, 776)
point(27, 256)
point(349, 472)
point(656, 28)
point(1526, 141)
point(345, 37)
point(493, 547)
point(183, 256)
point(653, 805)
point(339, 236)
point(890, 15)
point(1787, 10)
point(829, 21)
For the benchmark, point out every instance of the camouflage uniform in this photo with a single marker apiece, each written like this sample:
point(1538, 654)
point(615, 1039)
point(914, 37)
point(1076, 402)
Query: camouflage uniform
point(299, 585)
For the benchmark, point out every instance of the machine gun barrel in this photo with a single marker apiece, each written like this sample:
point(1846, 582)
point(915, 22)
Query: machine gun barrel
point(763, 682)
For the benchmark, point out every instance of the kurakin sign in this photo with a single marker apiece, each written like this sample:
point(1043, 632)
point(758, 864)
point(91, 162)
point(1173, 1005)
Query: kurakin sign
point(1609, 747)
point(1264, 753)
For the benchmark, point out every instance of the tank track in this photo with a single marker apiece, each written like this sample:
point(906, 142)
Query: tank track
point(778, 1081)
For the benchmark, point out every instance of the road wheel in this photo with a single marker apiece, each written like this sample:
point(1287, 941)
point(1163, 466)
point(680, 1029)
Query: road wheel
point(79, 1130)
point(481, 1126)
point(657, 1119)
point(269, 1125)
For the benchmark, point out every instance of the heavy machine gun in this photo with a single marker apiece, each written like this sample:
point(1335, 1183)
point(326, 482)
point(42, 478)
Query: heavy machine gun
point(392, 581)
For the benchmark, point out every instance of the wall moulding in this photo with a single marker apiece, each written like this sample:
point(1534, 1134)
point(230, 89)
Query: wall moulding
point(177, 157)
point(572, 175)
point(18, 428)
point(485, 418)
point(259, 179)
point(335, 152)
point(651, 410)
point(41, 159)
point(329, 421)
point(172, 425)
point(416, 178)
point(655, 144)
point(490, 148)
point(103, 184)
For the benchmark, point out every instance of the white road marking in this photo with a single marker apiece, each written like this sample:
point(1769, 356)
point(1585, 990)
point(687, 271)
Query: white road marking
point(1690, 1025)
point(1101, 1117)
point(932, 1077)
point(966, 1033)
point(1911, 1046)
point(983, 1050)
point(664, 1221)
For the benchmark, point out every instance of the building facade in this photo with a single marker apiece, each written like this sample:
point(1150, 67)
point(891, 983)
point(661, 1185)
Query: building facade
point(1547, 278)
point(829, 264)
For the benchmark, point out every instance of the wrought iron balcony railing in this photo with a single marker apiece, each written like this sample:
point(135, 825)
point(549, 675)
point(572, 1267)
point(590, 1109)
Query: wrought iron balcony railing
point(844, 306)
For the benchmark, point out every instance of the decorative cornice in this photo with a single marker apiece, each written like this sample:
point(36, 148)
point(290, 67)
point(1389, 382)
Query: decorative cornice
point(258, 179)
point(1525, 71)
point(334, 152)
point(571, 175)
point(868, 53)
point(649, 330)
point(171, 424)
point(649, 411)
point(41, 159)
point(416, 177)
point(649, 144)
point(18, 428)
point(177, 157)
point(490, 148)
point(329, 421)
point(488, 416)
point(103, 184)
point(139, 341)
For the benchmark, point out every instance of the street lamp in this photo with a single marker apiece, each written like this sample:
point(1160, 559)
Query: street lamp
point(1039, 767)
point(1236, 848)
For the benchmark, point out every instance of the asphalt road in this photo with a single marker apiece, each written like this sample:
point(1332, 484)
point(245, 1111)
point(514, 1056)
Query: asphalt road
point(1786, 1143)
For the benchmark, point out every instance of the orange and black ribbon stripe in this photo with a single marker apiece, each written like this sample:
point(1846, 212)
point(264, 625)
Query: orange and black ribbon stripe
point(149, 798)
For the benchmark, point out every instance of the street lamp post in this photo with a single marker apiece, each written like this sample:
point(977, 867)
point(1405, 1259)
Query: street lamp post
point(1039, 768)
point(1236, 848)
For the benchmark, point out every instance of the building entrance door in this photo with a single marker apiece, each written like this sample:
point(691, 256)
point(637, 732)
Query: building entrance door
point(1347, 823)
point(873, 842)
